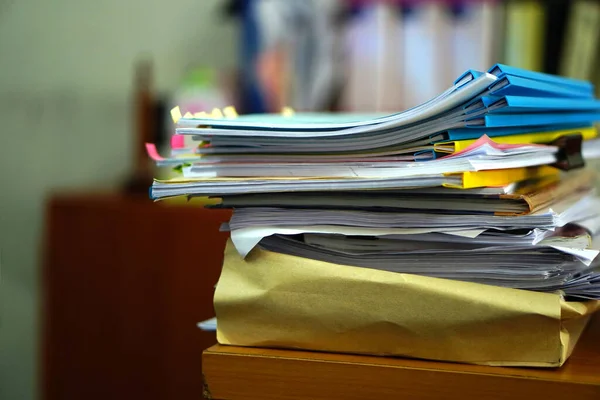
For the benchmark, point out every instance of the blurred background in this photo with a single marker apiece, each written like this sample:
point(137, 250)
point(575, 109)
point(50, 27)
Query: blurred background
point(99, 293)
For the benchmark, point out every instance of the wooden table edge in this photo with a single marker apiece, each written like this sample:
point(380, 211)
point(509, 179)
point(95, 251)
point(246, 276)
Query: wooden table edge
point(220, 350)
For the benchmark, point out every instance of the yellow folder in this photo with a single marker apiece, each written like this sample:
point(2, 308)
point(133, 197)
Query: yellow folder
point(525, 138)
point(502, 177)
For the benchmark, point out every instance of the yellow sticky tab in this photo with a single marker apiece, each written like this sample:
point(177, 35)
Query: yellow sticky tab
point(216, 113)
point(176, 114)
point(230, 112)
point(201, 114)
point(188, 115)
point(287, 111)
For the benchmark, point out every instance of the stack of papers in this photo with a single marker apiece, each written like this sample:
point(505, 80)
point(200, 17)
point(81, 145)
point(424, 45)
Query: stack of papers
point(471, 185)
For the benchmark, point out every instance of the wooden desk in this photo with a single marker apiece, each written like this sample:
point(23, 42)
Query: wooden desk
point(232, 373)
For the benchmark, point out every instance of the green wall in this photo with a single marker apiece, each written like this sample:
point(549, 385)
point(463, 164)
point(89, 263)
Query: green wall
point(66, 69)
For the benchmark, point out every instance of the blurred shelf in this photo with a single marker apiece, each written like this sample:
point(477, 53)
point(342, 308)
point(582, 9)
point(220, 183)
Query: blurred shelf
point(125, 281)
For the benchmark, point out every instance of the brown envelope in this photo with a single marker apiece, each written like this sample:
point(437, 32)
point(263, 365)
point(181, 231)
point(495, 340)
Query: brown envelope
point(538, 198)
point(276, 300)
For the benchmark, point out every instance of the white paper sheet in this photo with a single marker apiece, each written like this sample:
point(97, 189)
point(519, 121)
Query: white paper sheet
point(246, 239)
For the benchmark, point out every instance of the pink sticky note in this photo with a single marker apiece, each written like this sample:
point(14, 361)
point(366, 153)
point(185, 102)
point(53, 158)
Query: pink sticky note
point(177, 142)
point(152, 152)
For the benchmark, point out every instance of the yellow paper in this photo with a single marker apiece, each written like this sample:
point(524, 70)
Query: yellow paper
point(287, 111)
point(199, 201)
point(216, 113)
point(230, 112)
point(275, 300)
point(176, 114)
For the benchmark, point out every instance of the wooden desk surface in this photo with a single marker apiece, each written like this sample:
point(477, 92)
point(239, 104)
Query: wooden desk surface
point(232, 373)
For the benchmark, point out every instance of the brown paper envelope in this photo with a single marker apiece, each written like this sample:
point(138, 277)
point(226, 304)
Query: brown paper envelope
point(574, 317)
point(539, 198)
point(276, 300)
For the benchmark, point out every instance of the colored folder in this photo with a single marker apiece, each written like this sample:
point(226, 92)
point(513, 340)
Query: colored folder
point(468, 76)
point(516, 86)
point(587, 133)
point(501, 70)
point(501, 177)
point(476, 132)
point(533, 119)
point(522, 104)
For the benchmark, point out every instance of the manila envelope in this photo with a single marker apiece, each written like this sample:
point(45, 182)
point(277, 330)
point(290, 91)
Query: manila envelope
point(276, 300)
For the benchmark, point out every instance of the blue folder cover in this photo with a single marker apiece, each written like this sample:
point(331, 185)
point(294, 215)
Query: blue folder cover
point(470, 74)
point(525, 104)
point(510, 85)
point(477, 132)
point(500, 70)
point(491, 100)
point(537, 119)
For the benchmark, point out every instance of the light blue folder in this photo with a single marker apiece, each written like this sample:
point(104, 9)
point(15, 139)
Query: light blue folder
point(491, 100)
point(468, 76)
point(537, 119)
point(480, 103)
point(500, 70)
point(524, 104)
point(477, 132)
point(510, 85)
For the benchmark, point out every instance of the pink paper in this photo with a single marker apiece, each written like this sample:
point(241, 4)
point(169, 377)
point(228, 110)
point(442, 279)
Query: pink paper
point(177, 142)
point(153, 153)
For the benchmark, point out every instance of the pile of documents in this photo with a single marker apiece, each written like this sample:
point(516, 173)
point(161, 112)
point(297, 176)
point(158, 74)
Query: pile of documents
point(484, 183)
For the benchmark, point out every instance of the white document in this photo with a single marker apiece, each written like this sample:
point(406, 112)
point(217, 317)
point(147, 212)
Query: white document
point(245, 239)
point(525, 267)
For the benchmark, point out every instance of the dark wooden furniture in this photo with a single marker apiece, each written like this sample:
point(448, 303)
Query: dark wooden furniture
point(233, 373)
point(125, 281)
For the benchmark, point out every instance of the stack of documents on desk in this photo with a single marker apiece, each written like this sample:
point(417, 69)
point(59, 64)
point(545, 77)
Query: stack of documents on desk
point(470, 186)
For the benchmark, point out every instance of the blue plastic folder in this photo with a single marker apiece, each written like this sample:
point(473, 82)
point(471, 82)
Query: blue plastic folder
point(525, 104)
point(510, 85)
point(537, 119)
point(500, 70)
point(468, 75)
point(477, 132)
point(481, 103)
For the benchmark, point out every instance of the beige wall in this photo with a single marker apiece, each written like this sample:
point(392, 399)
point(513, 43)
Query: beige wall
point(65, 78)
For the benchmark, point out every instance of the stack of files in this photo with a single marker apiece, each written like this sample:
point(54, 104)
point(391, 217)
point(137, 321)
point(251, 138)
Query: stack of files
point(515, 247)
point(483, 183)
